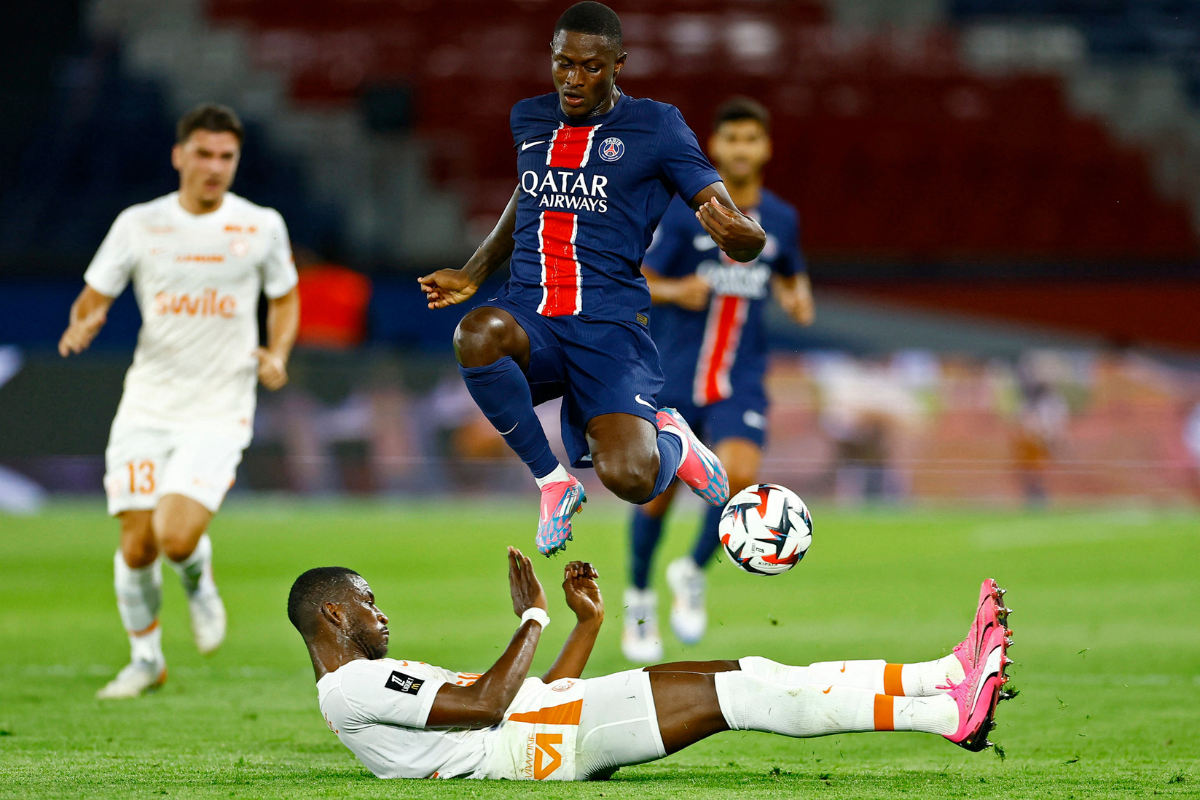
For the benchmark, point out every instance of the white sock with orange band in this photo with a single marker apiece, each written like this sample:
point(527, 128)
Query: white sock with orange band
point(900, 680)
point(750, 703)
point(139, 597)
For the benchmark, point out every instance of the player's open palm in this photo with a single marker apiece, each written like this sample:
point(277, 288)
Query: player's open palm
point(523, 583)
point(446, 287)
point(582, 591)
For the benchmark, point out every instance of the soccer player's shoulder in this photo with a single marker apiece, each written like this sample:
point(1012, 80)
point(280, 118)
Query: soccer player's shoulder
point(533, 114)
point(148, 213)
point(253, 212)
point(659, 112)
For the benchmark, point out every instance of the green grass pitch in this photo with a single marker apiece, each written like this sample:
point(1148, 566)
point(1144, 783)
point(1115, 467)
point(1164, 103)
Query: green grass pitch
point(1105, 618)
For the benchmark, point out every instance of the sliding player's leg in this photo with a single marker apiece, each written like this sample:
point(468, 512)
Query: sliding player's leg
point(685, 575)
point(496, 354)
point(922, 679)
point(640, 641)
point(963, 715)
point(691, 701)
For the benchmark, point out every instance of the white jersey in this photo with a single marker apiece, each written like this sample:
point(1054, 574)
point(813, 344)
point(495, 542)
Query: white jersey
point(379, 708)
point(197, 279)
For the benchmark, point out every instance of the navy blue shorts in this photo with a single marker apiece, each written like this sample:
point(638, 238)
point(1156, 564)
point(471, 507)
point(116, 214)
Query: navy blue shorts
point(742, 415)
point(596, 366)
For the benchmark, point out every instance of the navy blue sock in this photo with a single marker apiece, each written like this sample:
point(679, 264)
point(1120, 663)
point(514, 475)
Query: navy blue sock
point(645, 532)
point(709, 538)
point(670, 453)
point(502, 394)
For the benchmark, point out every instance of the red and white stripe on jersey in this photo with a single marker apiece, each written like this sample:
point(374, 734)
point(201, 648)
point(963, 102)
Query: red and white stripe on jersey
point(571, 147)
point(562, 277)
point(722, 333)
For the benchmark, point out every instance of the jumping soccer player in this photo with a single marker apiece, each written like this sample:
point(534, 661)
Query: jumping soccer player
point(199, 258)
point(409, 719)
point(597, 169)
point(709, 330)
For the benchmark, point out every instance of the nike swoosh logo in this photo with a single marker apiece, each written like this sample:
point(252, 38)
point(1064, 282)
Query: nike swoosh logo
point(637, 398)
point(526, 145)
point(827, 691)
point(843, 669)
point(510, 430)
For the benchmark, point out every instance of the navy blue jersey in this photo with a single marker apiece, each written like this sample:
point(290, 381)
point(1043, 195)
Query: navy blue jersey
point(707, 354)
point(592, 192)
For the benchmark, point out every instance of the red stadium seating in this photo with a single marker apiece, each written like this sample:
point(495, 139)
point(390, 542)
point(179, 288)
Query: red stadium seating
point(888, 146)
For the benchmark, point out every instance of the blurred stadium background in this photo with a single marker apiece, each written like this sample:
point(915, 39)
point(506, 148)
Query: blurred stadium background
point(1000, 203)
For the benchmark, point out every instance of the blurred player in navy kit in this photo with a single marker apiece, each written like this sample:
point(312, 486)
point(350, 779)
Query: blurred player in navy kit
point(596, 169)
point(708, 326)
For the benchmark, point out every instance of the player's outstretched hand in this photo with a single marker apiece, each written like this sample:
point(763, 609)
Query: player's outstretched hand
point(446, 287)
point(272, 370)
point(80, 333)
point(739, 236)
point(526, 589)
point(583, 595)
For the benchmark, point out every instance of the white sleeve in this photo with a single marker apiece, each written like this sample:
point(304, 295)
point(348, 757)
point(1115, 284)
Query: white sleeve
point(278, 269)
point(389, 695)
point(112, 266)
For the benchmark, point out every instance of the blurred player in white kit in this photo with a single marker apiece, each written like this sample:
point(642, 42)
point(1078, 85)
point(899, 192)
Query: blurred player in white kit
point(198, 259)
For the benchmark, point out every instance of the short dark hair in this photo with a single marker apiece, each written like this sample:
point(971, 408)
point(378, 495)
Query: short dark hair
point(739, 108)
point(210, 117)
point(594, 19)
point(313, 589)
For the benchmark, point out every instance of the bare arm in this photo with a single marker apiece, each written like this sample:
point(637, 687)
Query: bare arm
point(795, 297)
point(583, 597)
point(739, 236)
point(690, 292)
point(446, 287)
point(283, 320)
point(482, 704)
point(89, 312)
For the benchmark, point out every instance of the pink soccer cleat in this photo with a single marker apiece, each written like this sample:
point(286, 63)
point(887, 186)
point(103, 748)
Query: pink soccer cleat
point(989, 614)
point(979, 693)
point(699, 468)
point(560, 501)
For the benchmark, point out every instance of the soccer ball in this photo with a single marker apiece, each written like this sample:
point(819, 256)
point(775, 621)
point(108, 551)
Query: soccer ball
point(765, 529)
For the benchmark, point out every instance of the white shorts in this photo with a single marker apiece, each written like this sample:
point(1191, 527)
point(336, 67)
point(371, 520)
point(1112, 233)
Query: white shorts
point(144, 463)
point(576, 730)
point(618, 726)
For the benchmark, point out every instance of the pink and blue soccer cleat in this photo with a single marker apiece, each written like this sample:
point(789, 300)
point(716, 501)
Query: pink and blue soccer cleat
point(560, 501)
point(699, 468)
point(980, 691)
point(989, 614)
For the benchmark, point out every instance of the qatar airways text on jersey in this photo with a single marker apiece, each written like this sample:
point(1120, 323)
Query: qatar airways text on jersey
point(590, 194)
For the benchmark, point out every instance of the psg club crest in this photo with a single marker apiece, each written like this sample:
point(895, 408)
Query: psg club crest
point(611, 149)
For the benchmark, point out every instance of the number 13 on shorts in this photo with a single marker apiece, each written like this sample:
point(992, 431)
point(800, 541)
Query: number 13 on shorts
point(141, 477)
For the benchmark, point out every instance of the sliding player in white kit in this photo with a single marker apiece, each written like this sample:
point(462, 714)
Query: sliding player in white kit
point(199, 258)
point(409, 719)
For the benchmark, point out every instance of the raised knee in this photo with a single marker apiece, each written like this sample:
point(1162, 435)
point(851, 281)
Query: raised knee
point(628, 480)
point(481, 338)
